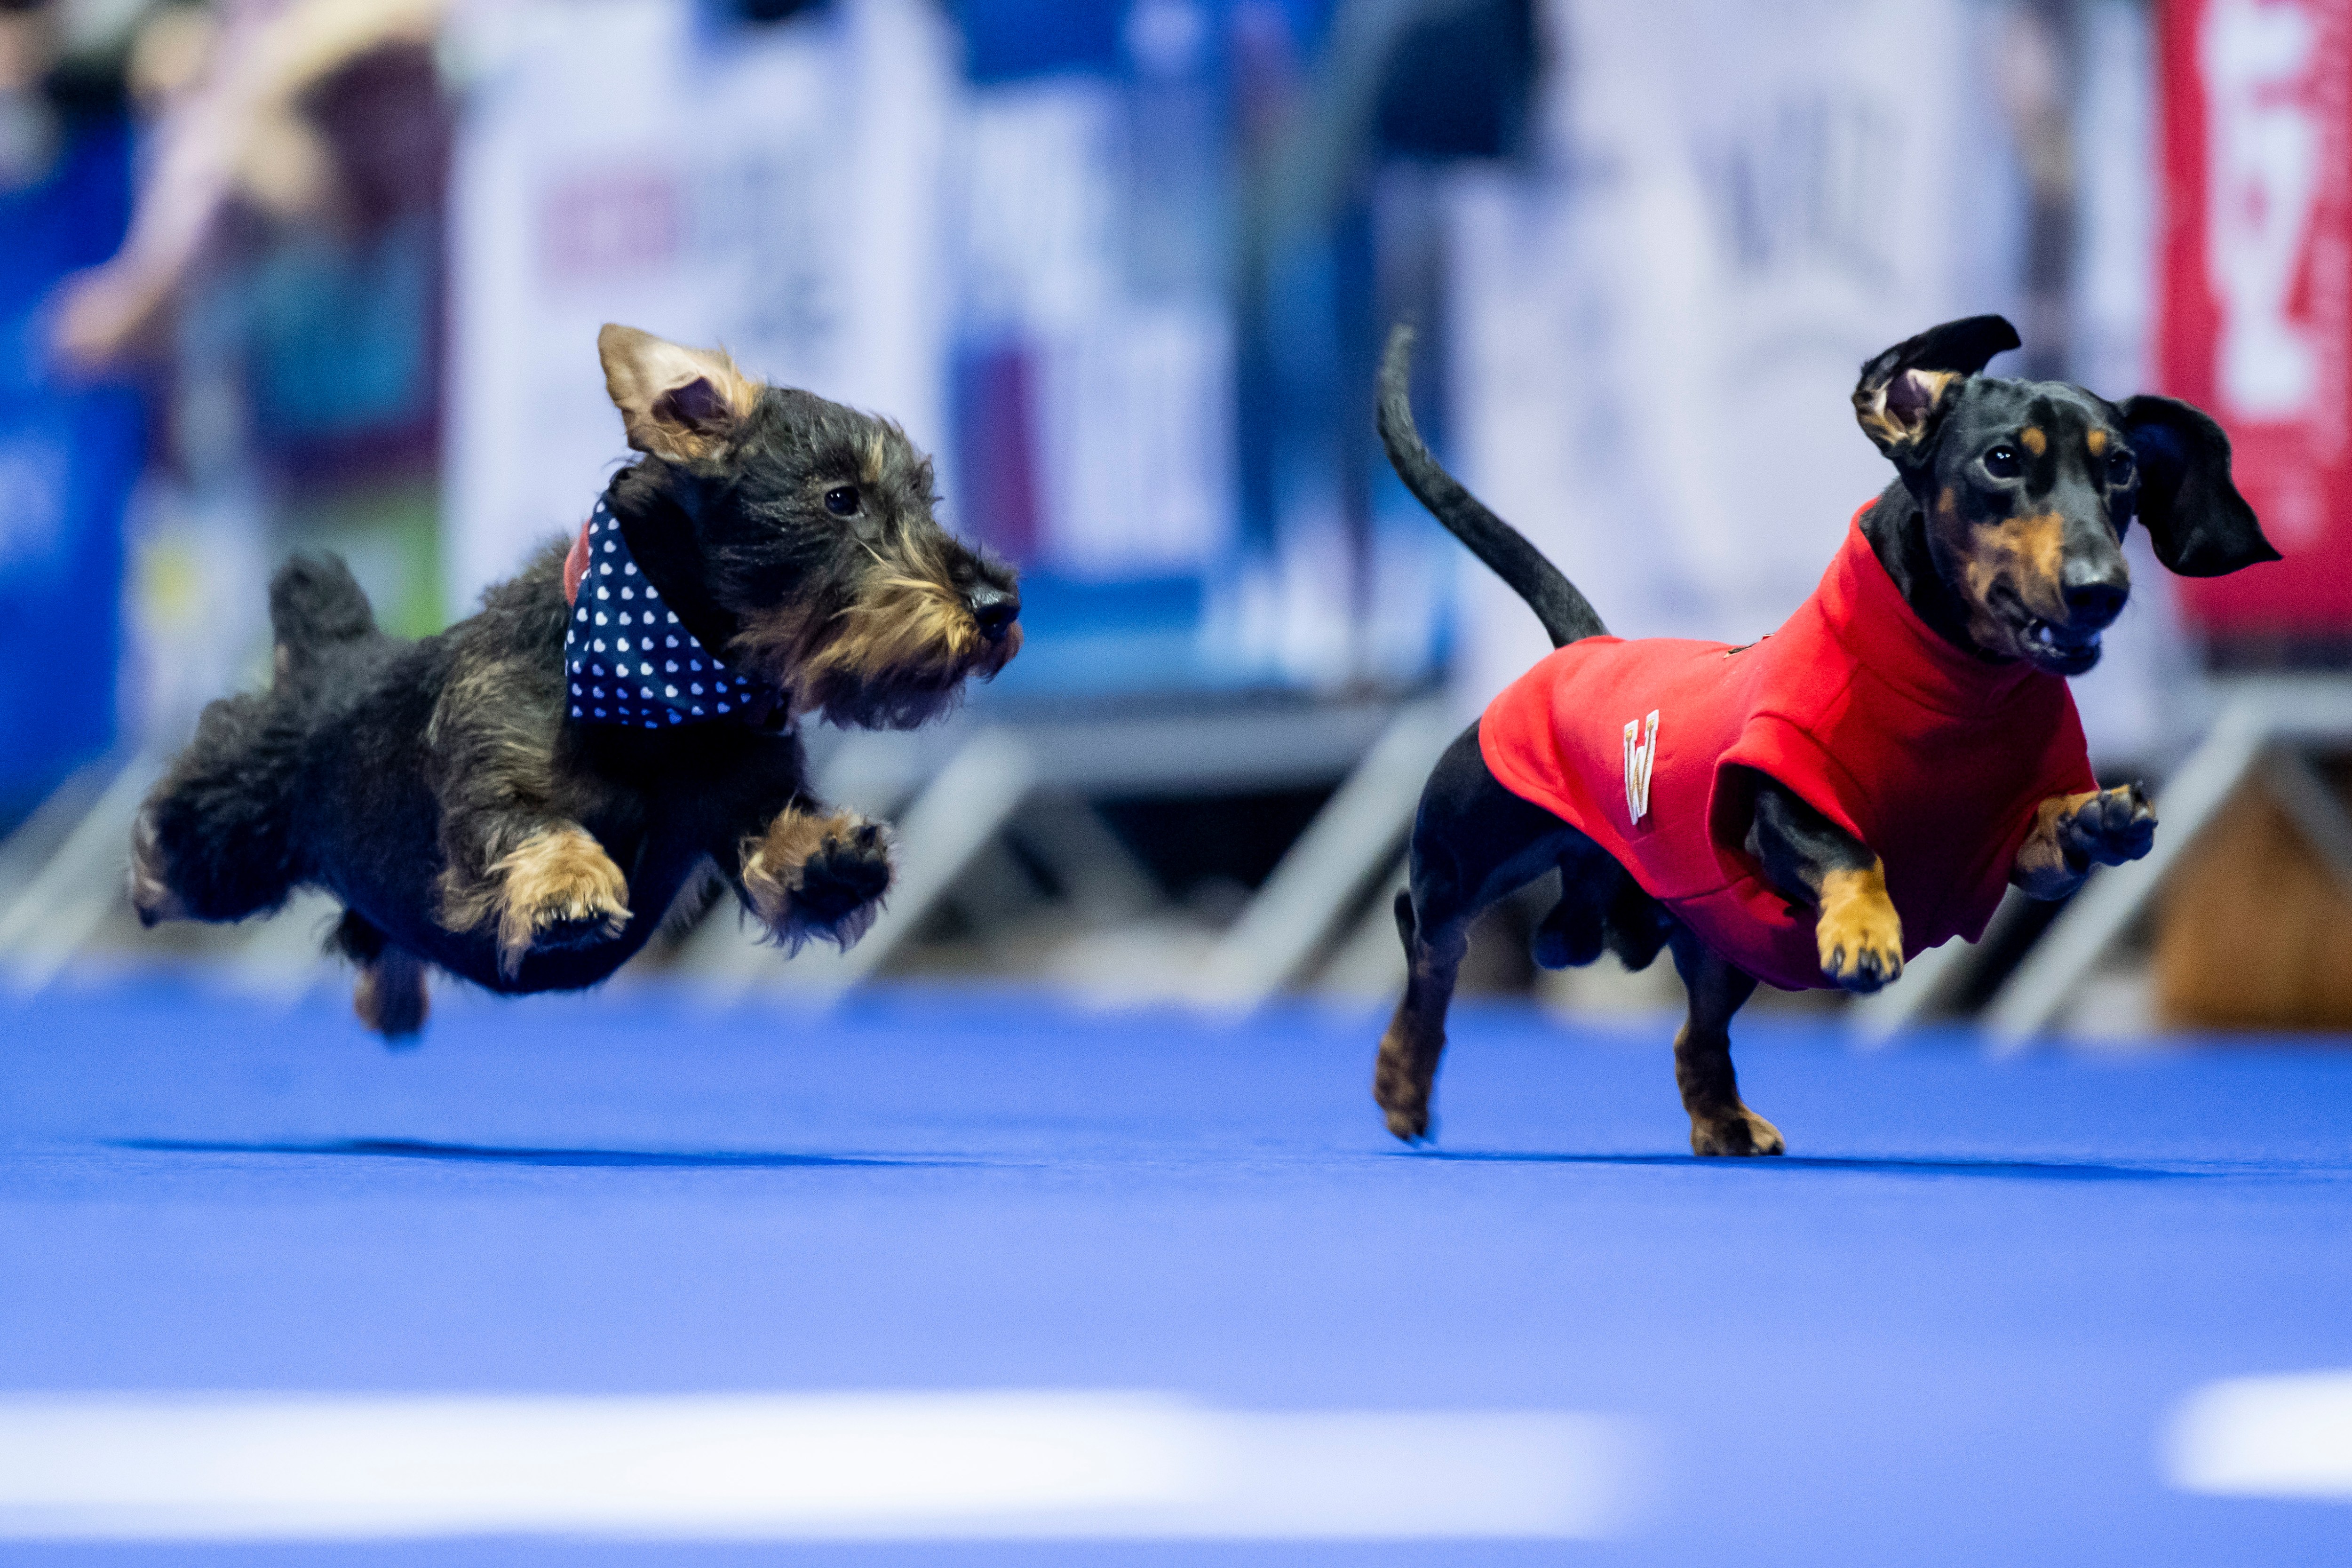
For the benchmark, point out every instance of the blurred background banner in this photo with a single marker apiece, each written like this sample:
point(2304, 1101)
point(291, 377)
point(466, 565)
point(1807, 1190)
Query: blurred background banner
point(2257, 255)
point(1658, 328)
point(70, 452)
point(776, 189)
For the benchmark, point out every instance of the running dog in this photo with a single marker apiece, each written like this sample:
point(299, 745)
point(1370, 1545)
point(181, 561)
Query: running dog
point(1814, 809)
point(519, 799)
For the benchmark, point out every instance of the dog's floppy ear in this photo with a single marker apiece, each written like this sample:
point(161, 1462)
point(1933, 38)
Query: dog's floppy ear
point(676, 402)
point(1902, 391)
point(2199, 524)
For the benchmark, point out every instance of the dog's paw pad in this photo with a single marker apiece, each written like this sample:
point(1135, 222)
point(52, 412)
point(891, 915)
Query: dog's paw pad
point(848, 869)
point(2110, 827)
point(1739, 1133)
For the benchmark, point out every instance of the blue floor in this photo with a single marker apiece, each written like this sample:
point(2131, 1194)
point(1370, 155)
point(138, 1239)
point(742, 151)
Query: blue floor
point(1944, 1331)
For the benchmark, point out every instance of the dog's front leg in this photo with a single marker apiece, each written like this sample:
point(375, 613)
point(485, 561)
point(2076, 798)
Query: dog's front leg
point(2071, 833)
point(817, 874)
point(1810, 858)
point(544, 881)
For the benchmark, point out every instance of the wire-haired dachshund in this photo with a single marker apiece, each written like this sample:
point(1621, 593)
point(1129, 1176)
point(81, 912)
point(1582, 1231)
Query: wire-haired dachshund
point(519, 799)
point(1814, 809)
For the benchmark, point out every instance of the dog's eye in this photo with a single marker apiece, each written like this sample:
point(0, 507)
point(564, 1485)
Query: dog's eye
point(2119, 467)
point(841, 501)
point(2002, 463)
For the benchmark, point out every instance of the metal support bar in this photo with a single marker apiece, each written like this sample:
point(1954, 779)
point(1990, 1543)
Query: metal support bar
point(1351, 840)
point(1925, 985)
point(2255, 715)
point(78, 887)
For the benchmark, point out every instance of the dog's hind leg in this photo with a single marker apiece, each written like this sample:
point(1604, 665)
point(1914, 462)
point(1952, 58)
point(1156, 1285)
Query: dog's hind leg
point(215, 839)
point(1473, 843)
point(1720, 1122)
point(390, 997)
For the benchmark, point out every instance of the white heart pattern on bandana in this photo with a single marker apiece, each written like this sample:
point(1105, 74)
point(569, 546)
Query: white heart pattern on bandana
point(629, 660)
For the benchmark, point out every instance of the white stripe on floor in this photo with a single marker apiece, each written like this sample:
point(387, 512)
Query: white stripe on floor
point(2284, 1437)
point(768, 1467)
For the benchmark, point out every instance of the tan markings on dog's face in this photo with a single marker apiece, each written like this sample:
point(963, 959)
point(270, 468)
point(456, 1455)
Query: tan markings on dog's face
point(2097, 442)
point(2033, 441)
point(876, 453)
point(2022, 556)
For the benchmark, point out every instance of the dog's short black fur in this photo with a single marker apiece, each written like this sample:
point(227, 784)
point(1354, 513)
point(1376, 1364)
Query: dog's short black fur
point(2003, 530)
point(440, 790)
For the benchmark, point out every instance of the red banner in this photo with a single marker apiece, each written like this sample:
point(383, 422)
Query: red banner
point(2257, 324)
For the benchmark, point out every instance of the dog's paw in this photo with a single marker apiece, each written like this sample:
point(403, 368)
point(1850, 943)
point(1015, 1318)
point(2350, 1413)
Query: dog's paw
point(1403, 1080)
point(2108, 829)
point(1858, 934)
point(820, 877)
point(558, 891)
point(1739, 1133)
point(391, 998)
point(152, 893)
point(841, 884)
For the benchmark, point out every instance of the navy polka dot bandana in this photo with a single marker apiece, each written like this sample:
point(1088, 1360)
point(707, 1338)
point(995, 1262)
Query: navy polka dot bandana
point(626, 656)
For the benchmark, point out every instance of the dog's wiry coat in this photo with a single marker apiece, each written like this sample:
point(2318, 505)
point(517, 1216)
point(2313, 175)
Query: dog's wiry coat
point(440, 790)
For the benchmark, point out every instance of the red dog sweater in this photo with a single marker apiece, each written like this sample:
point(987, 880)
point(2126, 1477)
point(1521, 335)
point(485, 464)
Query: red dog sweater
point(1934, 758)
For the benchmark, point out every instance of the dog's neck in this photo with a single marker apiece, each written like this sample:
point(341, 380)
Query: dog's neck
point(1896, 528)
point(662, 538)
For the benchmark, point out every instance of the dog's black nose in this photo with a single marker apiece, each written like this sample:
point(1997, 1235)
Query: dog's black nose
point(993, 610)
point(2095, 592)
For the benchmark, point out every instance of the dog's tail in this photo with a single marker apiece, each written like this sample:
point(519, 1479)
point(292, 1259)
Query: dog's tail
point(1564, 612)
point(315, 603)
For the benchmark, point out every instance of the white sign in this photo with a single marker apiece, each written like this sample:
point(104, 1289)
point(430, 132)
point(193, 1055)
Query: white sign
point(774, 189)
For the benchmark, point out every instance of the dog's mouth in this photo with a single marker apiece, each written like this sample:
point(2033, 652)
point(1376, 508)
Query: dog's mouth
point(2050, 648)
point(2046, 644)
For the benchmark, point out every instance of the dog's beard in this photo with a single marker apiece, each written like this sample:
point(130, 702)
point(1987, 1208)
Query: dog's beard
point(896, 656)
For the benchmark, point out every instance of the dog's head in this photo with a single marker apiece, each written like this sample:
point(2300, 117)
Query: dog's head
point(2026, 486)
point(814, 535)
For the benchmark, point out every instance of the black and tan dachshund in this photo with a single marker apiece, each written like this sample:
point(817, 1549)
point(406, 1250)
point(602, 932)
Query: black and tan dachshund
point(1811, 809)
point(519, 799)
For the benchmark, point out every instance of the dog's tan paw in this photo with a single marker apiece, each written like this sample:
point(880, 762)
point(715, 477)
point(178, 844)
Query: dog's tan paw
point(1403, 1080)
point(1858, 932)
point(819, 876)
point(558, 890)
point(2110, 828)
point(1740, 1132)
